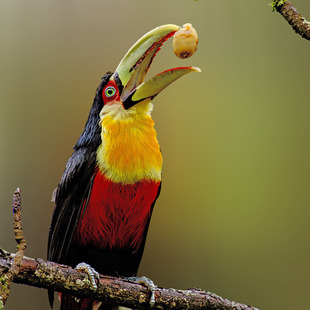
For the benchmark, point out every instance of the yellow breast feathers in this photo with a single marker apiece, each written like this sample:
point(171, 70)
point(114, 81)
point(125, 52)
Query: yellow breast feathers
point(129, 151)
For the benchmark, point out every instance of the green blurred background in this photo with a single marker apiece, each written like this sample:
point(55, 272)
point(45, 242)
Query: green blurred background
point(233, 216)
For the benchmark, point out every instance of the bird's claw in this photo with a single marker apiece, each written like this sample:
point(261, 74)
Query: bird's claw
point(149, 284)
point(92, 274)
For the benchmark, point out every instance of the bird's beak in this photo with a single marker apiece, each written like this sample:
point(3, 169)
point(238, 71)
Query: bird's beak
point(135, 64)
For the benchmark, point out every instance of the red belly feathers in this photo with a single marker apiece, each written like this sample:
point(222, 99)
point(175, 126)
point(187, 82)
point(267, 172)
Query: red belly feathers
point(116, 214)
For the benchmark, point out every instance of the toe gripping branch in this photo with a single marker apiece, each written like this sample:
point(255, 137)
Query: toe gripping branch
point(92, 274)
point(148, 283)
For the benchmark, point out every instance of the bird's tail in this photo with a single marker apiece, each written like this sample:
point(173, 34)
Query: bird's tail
point(68, 302)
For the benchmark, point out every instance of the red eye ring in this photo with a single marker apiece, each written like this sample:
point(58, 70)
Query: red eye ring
point(110, 92)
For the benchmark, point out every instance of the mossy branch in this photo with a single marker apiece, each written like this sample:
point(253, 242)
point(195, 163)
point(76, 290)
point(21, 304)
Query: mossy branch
point(293, 17)
point(114, 291)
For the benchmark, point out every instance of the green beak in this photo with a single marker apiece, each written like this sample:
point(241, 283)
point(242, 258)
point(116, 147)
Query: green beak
point(135, 64)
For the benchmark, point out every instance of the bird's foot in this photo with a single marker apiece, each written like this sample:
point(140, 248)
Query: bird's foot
point(92, 274)
point(148, 283)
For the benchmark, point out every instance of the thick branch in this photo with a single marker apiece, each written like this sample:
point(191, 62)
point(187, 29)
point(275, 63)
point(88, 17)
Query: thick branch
point(116, 291)
point(293, 17)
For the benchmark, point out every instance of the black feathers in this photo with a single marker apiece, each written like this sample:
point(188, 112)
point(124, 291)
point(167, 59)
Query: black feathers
point(90, 137)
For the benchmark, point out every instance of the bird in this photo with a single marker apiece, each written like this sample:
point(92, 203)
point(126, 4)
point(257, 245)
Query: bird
point(106, 195)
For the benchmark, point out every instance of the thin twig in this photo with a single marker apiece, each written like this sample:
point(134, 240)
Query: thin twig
point(8, 276)
point(293, 17)
point(18, 231)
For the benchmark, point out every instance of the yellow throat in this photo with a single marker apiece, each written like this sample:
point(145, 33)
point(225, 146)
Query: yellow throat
point(129, 152)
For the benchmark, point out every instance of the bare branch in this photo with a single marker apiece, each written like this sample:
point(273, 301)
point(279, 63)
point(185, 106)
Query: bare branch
point(116, 291)
point(293, 17)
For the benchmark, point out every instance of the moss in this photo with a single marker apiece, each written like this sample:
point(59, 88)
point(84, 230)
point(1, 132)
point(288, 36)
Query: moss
point(276, 3)
point(4, 282)
point(4, 289)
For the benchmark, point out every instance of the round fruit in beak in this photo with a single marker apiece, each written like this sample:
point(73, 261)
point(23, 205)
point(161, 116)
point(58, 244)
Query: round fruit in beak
point(185, 41)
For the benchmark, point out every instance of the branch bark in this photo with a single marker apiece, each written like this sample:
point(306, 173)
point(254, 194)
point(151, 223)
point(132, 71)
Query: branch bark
point(116, 291)
point(293, 17)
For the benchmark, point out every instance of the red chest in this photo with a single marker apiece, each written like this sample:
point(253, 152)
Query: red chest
point(116, 215)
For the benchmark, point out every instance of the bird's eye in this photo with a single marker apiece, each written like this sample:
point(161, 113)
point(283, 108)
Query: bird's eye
point(110, 91)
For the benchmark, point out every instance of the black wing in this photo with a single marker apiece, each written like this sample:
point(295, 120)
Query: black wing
point(72, 192)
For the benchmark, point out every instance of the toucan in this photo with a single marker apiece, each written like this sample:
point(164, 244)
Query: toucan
point(105, 198)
